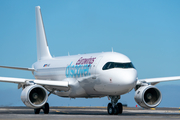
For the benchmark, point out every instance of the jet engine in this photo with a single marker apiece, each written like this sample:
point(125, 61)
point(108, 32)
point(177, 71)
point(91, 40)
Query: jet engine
point(148, 96)
point(34, 96)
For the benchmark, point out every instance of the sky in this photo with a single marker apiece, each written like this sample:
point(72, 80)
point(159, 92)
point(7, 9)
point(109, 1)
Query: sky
point(148, 32)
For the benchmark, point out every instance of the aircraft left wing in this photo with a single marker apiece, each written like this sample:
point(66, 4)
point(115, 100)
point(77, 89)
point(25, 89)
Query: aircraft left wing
point(154, 81)
point(35, 81)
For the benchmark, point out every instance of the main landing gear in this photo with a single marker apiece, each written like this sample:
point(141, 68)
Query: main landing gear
point(114, 108)
point(45, 109)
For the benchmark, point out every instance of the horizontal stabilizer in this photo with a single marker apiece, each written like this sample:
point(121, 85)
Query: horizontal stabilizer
point(18, 68)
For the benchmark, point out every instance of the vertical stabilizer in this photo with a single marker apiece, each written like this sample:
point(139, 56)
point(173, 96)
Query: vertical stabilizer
point(42, 46)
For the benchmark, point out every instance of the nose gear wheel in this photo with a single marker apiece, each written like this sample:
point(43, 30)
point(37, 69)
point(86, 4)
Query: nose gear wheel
point(114, 108)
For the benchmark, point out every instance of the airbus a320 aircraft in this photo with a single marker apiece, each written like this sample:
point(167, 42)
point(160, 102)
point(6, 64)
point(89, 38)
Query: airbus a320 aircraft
point(83, 76)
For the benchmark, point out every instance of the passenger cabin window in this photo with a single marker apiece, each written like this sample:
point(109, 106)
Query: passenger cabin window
point(110, 65)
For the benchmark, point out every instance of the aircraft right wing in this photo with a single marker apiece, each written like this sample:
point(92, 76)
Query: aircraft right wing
point(22, 81)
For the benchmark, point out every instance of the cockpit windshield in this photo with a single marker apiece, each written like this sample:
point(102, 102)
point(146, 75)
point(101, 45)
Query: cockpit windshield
point(110, 65)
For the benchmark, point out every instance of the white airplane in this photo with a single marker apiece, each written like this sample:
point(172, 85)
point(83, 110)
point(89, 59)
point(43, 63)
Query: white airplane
point(83, 76)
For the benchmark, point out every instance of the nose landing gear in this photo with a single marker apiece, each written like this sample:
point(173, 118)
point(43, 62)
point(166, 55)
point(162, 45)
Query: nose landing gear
point(114, 108)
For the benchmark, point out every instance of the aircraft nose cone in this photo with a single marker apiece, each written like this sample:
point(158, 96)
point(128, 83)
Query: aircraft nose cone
point(129, 78)
point(123, 82)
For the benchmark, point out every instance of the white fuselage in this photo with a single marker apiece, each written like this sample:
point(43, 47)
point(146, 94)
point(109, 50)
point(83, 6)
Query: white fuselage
point(98, 82)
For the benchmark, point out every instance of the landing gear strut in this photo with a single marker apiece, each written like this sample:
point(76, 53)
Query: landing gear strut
point(114, 108)
point(45, 109)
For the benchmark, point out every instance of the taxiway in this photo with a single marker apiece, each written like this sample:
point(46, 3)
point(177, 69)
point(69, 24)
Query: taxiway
point(88, 113)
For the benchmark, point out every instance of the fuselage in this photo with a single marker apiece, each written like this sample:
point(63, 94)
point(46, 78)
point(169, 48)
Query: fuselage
point(89, 75)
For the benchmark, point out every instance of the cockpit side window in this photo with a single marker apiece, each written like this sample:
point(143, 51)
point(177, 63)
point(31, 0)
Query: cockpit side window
point(110, 65)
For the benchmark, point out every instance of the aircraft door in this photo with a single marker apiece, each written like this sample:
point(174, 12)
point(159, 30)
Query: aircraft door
point(96, 62)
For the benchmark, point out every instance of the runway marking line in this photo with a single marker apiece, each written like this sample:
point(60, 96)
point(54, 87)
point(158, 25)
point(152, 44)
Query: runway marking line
point(59, 111)
point(81, 107)
point(55, 110)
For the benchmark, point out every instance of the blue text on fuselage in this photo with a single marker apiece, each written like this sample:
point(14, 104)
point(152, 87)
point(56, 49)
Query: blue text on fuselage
point(77, 70)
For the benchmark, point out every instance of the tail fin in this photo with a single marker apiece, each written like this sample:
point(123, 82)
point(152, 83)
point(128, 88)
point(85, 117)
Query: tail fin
point(42, 46)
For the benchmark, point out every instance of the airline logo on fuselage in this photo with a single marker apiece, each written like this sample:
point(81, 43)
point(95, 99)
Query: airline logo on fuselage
point(46, 65)
point(80, 69)
point(87, 61)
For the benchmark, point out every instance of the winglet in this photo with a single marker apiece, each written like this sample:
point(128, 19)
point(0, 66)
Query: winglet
point(42, 46)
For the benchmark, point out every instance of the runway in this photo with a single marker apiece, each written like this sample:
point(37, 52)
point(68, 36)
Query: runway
point(88, 113)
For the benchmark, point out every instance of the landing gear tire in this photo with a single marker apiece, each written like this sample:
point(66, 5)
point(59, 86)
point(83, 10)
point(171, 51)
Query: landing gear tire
point(116, 110)
point(110, 109)
point(37, 111)
point(120, 107)
point(46, 108)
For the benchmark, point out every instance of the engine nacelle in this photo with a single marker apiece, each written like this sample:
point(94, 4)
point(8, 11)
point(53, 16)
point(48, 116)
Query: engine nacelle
point(148, 96)
point(34, 96)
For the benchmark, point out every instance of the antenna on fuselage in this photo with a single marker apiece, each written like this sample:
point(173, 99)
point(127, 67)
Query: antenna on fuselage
point(68, 54)
point(112, 49)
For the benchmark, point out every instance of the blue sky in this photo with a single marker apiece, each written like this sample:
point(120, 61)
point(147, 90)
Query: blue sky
point(148, 32)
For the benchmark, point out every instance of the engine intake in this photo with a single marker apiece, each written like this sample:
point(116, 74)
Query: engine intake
point(34, 96)
point(148, 96)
